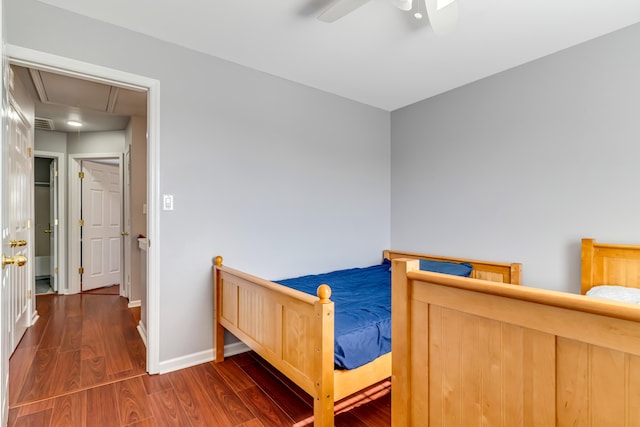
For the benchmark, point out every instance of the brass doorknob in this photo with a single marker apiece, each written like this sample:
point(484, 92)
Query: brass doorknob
point(48, 231)
point(18, 260)
point(124, 233)
point(14, 243)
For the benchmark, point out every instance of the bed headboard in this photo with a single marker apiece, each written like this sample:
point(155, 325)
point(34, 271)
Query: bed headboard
point(485, 270)
point(609, 264)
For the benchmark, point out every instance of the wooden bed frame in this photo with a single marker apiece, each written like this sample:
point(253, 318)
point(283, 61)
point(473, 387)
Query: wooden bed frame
point(293, 331)
point(472, 352)
point(609, 264)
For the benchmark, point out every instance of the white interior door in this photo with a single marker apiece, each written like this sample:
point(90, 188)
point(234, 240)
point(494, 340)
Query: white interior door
point(19, 182)
point(53, 217)
point(101, 214)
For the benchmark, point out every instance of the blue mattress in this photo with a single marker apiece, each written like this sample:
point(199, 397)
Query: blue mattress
point(362, 301)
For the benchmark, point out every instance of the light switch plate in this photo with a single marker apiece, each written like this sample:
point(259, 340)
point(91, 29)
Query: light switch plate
point(167, 202)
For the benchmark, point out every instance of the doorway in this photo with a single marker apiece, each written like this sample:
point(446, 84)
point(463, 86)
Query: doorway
point(50, 222)
point(66, 66)
point(45, 204)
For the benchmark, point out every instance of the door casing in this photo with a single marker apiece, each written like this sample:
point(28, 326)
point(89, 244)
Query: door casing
point(125, 289)
point(62, 216)
point(53, 223)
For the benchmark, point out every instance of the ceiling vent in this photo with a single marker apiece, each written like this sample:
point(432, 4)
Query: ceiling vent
point(43, 124)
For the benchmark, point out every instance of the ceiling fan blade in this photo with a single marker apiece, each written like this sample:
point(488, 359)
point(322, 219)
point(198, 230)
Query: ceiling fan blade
point(443, 15)
point(339, 9)
point(402, 4)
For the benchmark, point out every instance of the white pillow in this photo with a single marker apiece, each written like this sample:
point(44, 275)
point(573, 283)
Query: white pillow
point(618, 293)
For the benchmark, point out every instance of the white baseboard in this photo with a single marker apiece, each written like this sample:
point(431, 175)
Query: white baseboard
point(136, 303)
point(185, 361)
point(4, 418)
point(235, 348)
point(198, 358)
point(143, 332)
point(34, 317)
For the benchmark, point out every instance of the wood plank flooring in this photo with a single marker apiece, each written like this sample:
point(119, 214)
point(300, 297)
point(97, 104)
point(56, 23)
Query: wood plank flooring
point(82, 364)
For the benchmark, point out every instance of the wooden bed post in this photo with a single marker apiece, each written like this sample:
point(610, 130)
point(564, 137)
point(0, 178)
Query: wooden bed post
point(401, 341)
point(218, 330)
point(324, 360)
point(516, 274)
point(587, 264)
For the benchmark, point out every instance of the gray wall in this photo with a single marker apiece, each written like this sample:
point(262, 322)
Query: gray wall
point(50, 141)
point(279, 178)
point(96, 142)
point(523, 164)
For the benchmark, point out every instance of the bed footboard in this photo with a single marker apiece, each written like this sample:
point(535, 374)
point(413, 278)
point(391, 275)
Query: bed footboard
point(291, 330)
point(486, 270)
point(470, 352)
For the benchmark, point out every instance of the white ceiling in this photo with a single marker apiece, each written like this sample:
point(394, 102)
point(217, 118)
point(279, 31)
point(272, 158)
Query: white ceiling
point(377, 55)
point(60, 98)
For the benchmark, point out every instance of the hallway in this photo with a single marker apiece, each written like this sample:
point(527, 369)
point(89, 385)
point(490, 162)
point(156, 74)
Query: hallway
point(80, 341)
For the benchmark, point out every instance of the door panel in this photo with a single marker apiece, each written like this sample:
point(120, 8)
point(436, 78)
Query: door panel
point(101, 212)
point(19, 182)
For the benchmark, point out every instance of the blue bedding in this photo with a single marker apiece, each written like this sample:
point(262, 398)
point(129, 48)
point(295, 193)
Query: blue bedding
point(362, 301)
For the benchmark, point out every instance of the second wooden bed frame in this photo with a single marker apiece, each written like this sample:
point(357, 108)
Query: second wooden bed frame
point(293, 331)
point(609, 264)
point(471, 352)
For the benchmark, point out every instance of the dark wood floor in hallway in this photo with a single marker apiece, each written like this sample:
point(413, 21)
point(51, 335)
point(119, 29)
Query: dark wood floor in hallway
point(83, 364)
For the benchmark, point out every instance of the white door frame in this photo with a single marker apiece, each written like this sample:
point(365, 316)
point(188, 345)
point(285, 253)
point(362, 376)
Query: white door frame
point(62, 214)
point(125, 288)
point(75, 203)
point(58, 64)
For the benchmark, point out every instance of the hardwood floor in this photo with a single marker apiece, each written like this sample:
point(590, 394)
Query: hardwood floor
point(82, 364)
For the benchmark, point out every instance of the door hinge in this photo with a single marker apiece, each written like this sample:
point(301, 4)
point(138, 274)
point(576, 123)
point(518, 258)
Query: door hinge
point(81, 270)
point(55, 270)
point(55, 172)
point(81, 223)
point(81, 175)
point(29, 294)
point(30, 153)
